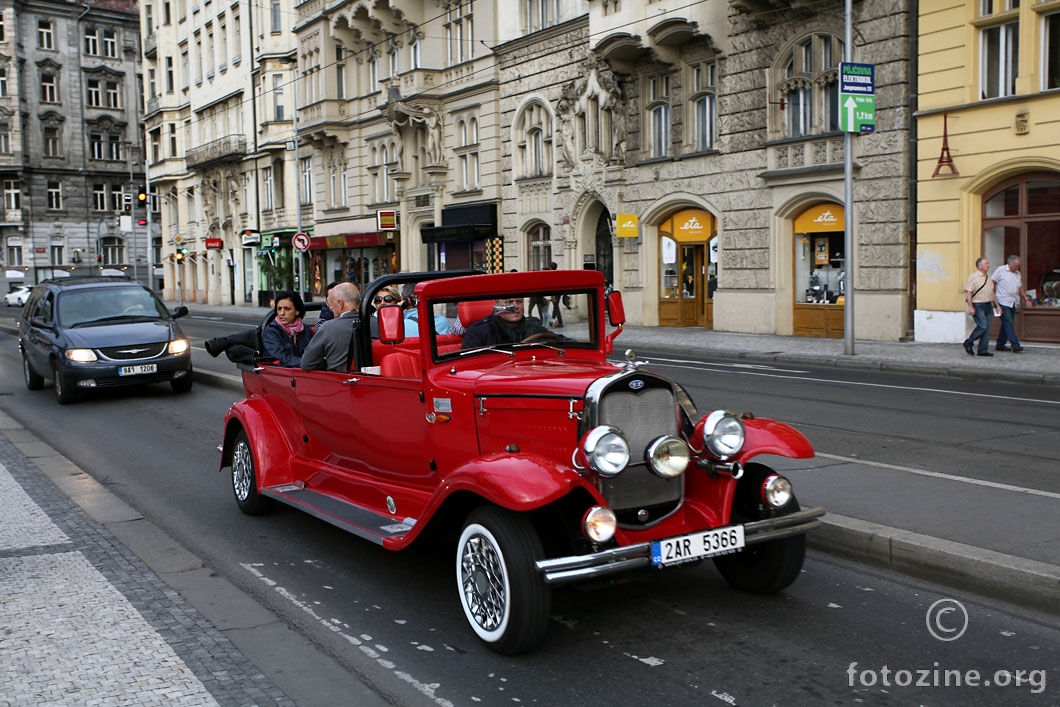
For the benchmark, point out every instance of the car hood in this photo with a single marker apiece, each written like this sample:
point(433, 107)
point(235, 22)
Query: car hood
point(552, 377)
point(130, 333)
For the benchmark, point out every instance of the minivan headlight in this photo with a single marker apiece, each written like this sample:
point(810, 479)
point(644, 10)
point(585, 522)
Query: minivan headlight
point(81, 355)
point(178, 346)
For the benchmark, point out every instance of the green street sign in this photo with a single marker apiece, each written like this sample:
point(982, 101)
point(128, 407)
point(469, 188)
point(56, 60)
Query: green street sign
point(857, 97)
point(857, 114)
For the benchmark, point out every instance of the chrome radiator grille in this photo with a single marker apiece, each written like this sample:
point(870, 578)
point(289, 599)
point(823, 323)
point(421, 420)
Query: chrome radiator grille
point(643, 415)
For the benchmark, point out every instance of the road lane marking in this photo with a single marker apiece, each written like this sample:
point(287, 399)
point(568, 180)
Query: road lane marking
point(941, 475)
point(698, 365)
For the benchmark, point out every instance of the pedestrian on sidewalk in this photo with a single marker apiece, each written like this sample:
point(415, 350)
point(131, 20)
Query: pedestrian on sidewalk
point(982, 306)
point(1009, 292)
point(557, 313)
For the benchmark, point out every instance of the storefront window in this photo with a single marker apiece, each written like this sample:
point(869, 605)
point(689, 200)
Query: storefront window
point(670, 278)
point(820, 262)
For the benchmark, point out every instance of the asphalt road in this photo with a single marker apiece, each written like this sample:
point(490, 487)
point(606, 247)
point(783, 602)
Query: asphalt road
point(682, 637)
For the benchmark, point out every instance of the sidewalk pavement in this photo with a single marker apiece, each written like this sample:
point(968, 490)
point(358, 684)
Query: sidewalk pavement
point(88, 618)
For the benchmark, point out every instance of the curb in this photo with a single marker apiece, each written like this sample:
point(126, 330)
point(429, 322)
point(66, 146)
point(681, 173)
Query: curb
point(1016, 580)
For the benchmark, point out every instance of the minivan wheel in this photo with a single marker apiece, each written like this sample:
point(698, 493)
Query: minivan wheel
point(63, 392)
point(33, 381)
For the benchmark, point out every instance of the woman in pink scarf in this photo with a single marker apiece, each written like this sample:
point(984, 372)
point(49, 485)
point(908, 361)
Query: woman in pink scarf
point(286, 337)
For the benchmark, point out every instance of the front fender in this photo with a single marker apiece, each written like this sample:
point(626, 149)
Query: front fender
point(270, 446)
point(515, 482)
point(765, 436)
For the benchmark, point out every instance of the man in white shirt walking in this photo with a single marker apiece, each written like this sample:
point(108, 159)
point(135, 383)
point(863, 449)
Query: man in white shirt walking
point(1009, 291)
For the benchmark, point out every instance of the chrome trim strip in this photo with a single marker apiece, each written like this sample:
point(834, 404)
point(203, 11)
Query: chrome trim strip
point(563, 570)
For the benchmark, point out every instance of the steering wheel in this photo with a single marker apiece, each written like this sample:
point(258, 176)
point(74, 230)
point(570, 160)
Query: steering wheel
point(540, 336)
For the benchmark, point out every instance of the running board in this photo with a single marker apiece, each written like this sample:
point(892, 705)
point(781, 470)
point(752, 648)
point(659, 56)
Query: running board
point(354, 519)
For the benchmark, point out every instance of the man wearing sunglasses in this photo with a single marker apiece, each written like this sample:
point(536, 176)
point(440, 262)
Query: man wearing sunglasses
point(507, 325)
point(329, 349)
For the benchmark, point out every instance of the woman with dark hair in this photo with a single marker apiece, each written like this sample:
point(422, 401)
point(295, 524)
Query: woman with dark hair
point(286, 336)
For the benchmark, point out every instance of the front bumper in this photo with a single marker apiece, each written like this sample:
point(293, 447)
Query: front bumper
point(564, 570)
point(104, 374)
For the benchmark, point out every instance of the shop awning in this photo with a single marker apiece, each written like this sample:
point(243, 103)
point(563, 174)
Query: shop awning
point(474, 222)
point(348, 240)
point(823, 218)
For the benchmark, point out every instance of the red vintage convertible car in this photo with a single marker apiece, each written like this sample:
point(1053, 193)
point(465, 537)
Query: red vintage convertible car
point(551, 464)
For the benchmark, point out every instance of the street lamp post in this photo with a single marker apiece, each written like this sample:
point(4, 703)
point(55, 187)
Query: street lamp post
point(297, 255)
point(132, 210)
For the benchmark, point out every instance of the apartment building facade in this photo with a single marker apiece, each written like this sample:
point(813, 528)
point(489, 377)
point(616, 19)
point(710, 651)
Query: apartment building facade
point(71, 154)
point(691, 152)
point(988, 159)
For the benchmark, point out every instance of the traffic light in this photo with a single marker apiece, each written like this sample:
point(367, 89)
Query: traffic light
point(180, 254)
point(99, 258)
point(141, 196)
point(126, 200)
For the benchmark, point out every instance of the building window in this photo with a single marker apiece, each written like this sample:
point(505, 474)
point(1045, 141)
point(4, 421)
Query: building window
point(55, 196)
point(807, 83)
point(110, 43)
point(116, 191)
point(57, 255)
point(344, 186)
point(539, 241)
point(467, 154)
point(539, 14)
point(533, 134)
point(112, 249)
point(373, 74)
point(392, 62)
point(173, 140)
point(277, 16)
point(45, 32)
point(14, 255)
point(3, 27)
point(459, 33)
point(658, 107)
point(999, 60)
point(94, 98)
point(3, 82)
point(266, 176)
point(113, 94)
point(114, 143)
point(1051, 51)
point(307, 180)
point(99, 197)
point(169, 75)
point(277, 97)
point(704, 105)
point(12, 194)
point(415, 54)
point(5, 138)
point(51, 141)
point(49, 88)
point(91, 41)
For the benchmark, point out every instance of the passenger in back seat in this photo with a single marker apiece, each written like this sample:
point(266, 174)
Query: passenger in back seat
point(329, 349)
point(412, 325)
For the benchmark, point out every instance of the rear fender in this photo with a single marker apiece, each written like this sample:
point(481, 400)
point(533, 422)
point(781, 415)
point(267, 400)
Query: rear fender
point(765, 436)
point(515, 482)
point(270, 446)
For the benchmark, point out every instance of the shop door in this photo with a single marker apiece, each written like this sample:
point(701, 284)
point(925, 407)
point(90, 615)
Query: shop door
point(693, 286)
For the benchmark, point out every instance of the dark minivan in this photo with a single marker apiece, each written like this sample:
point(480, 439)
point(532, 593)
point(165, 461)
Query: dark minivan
point(101, 332)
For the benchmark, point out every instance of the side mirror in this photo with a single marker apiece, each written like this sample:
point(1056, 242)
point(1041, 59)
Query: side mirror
point(616, 313)
point(39, 322)
point(179, 312)
point(391, 324)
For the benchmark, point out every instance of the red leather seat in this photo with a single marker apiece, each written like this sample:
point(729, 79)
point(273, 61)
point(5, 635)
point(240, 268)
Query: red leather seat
point(399, 364)
point(471, 312)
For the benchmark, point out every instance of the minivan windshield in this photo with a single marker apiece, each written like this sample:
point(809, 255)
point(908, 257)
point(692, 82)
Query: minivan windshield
point(107, 304)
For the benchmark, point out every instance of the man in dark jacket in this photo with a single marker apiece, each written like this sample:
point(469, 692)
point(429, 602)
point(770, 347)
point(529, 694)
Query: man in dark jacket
point(329, 349)
point(507, 325)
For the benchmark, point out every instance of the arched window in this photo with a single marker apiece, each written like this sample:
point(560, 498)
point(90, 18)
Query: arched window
point(1021, 216)
point(539, 247)
point(533, 140)
point(806, 81)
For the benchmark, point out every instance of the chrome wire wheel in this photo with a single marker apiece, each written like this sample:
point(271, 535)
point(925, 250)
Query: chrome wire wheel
point(483, 581)
point(245, 479)
point(242, 471)
point(504, 597)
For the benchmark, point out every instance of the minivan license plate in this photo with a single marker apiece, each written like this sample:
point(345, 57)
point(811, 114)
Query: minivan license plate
point(686, 548)
point(137, 370)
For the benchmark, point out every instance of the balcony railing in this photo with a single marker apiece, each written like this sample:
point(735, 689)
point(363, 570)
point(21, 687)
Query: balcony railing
point(221, 149)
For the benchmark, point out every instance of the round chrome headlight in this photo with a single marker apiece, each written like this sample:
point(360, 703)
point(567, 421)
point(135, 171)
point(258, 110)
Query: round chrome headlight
point(667, 456)
point(776, 491)
point(723, 433)
point(606, 450)
point(600, 524)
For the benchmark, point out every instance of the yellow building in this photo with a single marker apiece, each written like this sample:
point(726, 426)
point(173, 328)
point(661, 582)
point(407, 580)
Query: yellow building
point(988, 159)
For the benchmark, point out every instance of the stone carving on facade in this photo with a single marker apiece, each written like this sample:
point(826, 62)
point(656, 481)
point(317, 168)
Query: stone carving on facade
point(565, 113)
point(405, 119)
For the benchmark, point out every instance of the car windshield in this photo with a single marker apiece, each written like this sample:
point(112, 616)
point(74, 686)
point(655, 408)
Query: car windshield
point(107, 304)
point(508, 321)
